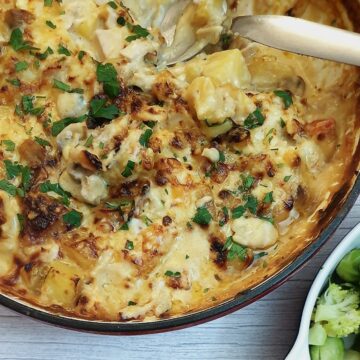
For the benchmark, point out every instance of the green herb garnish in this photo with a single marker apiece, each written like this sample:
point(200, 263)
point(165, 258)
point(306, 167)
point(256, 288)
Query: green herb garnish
point(139, 32)
point(17, 41)
point(106, 74)
point(41, 141)
point(21, 66)
point(9, 145)
point(202, 216)
point(50, 24)
point(285, 96)
point(254, 120)
point(66, 87)
point(145, 138)
point(129, 245)
point(234, 250)
point(173, 274)
point(59, 126)
point(47, 187)
point(268, 199)
point(62, 50)
point(73, 218)
point(130, 166)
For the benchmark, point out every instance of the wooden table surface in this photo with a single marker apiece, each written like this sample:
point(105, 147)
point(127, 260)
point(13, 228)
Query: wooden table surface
point(264, 330)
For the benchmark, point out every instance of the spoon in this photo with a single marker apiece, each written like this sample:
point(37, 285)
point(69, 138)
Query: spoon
point(300, 349)
point(284, 33)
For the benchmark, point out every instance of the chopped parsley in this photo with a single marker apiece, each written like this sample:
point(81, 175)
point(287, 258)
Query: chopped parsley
point(238, 212)
point(247, 182)
point(62, 50)
point(145, 138)
point(202, 216)
point(81, 54)
point(89, 141)
point(12, 169)
point(124, 227)
point(9, 145)
point(129, 245)
point(14, 82)
point(268, 199)
point(113, 4)
point(66, 87)
point(130, 166)
point(59, 126)
point(17, 41)
point(132, 303)
point(235, 251)
point(27, 107)
point(8, 187)
point(48, 3)
point(285, 96)
point(106, 74)
point(173, 274)
point(50, 24)
point(260, 255)
point(73, 218)
point(254, 120)
point(287, 178)
point(99, 110)
point(251, 204)
point(282, 123)
point(45, 54)
point(21, 66)
point(41, 141)
point(147, 221)
point(47, 187)
point(139, 32)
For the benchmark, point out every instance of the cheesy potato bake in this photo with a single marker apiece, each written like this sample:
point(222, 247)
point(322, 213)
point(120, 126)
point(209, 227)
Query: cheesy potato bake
point(132, 191)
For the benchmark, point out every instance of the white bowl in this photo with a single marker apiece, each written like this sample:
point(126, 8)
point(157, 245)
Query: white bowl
point(300, 350)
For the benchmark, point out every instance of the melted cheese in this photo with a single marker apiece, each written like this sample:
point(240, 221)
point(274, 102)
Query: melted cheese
point(154, 202)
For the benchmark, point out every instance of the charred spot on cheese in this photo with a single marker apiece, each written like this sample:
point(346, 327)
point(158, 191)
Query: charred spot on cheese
point(42, 218)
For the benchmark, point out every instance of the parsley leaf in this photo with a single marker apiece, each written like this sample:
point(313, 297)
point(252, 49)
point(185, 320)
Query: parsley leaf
point(8, 187)
point(81, 54)
point(287, 178)
point(268, 199)
point(130, 166)
point(282, 123)
point(145, 138)
point(173, 274)
point(106, 74)
point(47, 187)
point(285, 96)
point(129, 245)
point(124, 227)
point(12, 169)
point(248, 181)
point(202, 216)
point(14, 82)
point(139, 32)
point(234, 250)
point(48, 2)
point(21, 66)
point(89, 141)
point(254, 120)
point(73, 218)
point(17, 41)
point(251, 204)
point(238, 212)
point(59, 126)
point(100, 111)
point(50, 24)
point(45, 54)
point(67, 88)
point(63, 50)
point(112, 4)
point(41, 141)
point(27, 106)
point(9, 145)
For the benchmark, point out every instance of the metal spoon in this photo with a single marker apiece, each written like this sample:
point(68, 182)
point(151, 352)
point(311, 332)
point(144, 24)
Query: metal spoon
point(291, 34)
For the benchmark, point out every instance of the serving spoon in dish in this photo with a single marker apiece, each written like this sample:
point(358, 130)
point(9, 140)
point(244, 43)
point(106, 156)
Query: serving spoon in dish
point(281, 32)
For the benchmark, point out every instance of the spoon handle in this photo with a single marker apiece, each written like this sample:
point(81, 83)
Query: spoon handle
point(301, 37)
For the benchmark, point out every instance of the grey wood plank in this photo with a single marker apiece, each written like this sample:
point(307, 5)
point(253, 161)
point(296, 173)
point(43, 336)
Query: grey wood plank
point(264, 330)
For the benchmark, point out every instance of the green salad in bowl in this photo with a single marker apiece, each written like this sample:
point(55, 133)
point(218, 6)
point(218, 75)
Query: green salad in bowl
point(335, 323)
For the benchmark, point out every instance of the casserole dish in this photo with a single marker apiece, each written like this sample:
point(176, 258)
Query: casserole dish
point(69, 294)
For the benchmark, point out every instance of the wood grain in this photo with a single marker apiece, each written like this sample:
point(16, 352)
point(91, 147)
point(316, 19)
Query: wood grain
point(264, 330)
